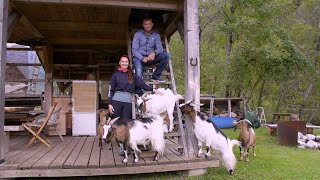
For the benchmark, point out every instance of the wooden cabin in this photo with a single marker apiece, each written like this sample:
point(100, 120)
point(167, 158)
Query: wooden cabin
point(74, 38)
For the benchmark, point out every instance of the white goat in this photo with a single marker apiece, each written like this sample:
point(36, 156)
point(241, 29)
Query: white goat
point(156, 104)
point(138, 132)
point(206, 131)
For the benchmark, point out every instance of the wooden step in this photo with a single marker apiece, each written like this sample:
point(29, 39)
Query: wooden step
point(150, 73)
point(174, 146)
point(151, 82)
point(172, 134)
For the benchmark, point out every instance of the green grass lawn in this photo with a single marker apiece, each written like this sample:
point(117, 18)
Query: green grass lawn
point(272, 162)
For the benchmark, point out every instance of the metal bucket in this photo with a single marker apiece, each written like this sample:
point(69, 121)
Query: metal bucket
point(287, 132)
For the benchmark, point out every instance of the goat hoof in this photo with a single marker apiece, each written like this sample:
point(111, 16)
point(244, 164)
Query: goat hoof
point(207, 156)
point(125, 161)
point(155, 159)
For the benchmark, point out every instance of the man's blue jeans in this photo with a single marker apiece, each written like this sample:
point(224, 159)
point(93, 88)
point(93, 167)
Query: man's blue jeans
point(161, 59)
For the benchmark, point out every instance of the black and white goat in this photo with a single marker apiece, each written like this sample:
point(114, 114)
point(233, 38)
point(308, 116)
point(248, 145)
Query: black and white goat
point(159, 104)
point(136, 132)
point(207, 132)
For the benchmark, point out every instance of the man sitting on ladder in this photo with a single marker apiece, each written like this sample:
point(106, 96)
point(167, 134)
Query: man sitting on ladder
point(147, 50)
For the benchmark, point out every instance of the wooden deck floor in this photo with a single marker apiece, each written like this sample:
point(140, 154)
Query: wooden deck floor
point(81, 156)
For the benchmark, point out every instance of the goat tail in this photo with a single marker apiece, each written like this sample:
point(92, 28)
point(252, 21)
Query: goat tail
point(235, 142)
point(158, 145)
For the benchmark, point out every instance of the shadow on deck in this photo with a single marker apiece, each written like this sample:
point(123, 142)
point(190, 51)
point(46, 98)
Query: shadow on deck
point(81, 156)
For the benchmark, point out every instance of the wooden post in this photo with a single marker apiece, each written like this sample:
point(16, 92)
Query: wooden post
point(48, 55)
point(192, 67)
point(4, 6)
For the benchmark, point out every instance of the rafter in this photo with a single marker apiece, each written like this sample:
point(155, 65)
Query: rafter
point(155, 4)
point(81, 26)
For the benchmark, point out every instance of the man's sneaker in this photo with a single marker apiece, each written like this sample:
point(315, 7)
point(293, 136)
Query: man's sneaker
point(157, 79)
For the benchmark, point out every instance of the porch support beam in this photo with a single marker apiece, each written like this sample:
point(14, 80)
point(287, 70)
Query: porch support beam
point(4, 6)
point(192, 67)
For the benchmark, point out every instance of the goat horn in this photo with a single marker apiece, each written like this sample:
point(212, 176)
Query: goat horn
point(144, 98)
point(108, 121)
point(197, 104)
point(136, 96)
point(248, 121)
point(113, 120)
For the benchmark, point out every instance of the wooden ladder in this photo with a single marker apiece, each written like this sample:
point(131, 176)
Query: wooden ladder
point(34, 76)
point(178, 134)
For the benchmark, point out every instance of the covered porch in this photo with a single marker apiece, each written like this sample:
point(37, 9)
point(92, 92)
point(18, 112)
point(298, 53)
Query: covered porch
point(74, 38)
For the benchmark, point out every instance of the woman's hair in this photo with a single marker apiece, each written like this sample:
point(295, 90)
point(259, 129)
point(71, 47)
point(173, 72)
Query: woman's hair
point(130, 73)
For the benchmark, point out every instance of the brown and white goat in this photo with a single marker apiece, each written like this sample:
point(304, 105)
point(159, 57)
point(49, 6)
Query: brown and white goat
point(102, 127)
point(143, 131)
point(247, 137)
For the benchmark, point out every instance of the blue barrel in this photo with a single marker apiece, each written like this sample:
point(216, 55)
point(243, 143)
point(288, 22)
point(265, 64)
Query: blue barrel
point(223, 122)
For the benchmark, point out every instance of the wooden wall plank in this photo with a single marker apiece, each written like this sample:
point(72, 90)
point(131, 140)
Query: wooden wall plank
point(58, 162)
point(83, 158)
point(74, 154)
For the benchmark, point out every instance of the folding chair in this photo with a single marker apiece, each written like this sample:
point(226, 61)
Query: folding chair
point(261, 115)
point(37, 126)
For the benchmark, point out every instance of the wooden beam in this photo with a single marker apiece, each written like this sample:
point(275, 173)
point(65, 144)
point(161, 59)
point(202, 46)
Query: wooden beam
point(180, 28)
point(27, 23)
point(82, 26)
point(25, 80)
point(75, 41)
point(141, 4)
point(192, 67)
point(12, 21)
point(47, 59)
point(4, 6)
point(88, 66)
point(23, 49)
point(23, 64)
